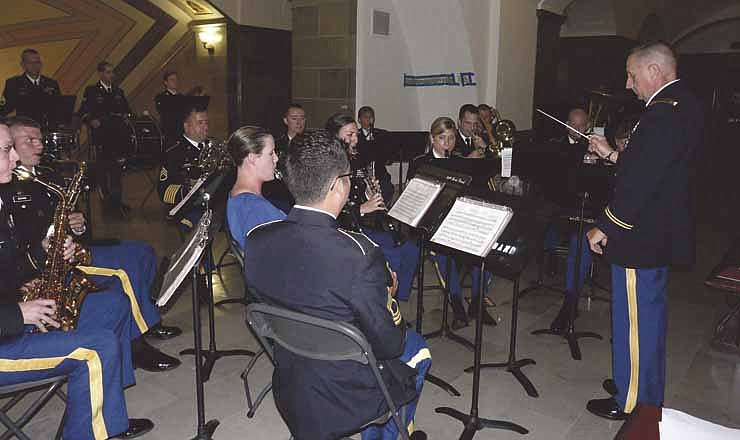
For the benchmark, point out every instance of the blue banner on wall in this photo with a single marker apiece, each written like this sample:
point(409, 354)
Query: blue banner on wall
point(462, 79)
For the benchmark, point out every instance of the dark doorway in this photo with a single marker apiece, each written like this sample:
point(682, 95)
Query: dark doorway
point(259, 75)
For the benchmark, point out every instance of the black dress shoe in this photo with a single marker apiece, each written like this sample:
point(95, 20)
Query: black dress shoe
point(606, 408)
point(149, 358)
point(418, 435)
point(609, 386)
point(164, 332)
point(560, 323)
point(136, 428)
point(485, 316)
point(460, 319)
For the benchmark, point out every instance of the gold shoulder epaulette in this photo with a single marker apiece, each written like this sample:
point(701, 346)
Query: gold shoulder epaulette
point(669, 101)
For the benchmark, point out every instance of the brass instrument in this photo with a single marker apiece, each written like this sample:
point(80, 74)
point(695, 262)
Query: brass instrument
point(502, 136)
point(214, 157)
point(54, 284)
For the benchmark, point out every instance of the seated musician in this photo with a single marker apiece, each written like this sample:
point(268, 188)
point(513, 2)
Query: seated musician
point(366, 209)
point(574, 159)
point(181, 163)
point(470, 140)
point(442, 136)
point(367, 149)
point(253, 151)
point(93, 356)
point(307, 264)
point(33, 208)
point(275, 190)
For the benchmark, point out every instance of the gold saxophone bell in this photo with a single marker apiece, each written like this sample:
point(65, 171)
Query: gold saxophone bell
point(504, 132)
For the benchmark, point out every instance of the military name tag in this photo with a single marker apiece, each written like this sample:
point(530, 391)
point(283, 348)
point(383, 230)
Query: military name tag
point(22, 198)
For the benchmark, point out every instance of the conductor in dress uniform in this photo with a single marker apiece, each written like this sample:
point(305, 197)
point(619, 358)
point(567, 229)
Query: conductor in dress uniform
point(328, 400)
point(648, 225)
point(25, 93)
point(104, 108)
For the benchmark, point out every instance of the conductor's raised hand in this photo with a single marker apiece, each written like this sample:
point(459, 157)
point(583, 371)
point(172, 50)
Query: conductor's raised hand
point(599, 145)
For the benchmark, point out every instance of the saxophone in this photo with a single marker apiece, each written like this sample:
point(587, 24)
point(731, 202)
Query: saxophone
point(60, 281)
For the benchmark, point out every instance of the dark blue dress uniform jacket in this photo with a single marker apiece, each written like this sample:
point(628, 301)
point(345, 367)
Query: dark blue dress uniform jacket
point(27, 99)
point(650, 219)
point(306, 264)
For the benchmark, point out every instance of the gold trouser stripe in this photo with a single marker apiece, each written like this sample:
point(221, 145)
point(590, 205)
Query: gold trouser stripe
point(411, 427)
point(616, 220)
point(634, 341)
point(422, 354)
point(127, 288)
point(95, 373)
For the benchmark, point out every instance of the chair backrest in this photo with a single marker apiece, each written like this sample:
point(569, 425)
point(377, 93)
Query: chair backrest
point(308, 336)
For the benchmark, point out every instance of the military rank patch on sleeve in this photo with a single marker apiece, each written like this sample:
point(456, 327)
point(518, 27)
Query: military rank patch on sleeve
point(394, 310)
point(163, 174)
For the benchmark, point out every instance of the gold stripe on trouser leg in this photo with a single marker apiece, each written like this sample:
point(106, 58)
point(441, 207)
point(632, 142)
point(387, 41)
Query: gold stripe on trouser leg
point(411, 427)
point(634, 340)
point(127, 288)
point(95, 375)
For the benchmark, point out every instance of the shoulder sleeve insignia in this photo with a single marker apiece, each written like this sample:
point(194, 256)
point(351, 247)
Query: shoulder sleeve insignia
point(163, 174)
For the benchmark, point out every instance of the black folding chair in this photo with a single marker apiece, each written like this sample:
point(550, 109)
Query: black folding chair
point(319, 339)
point(16, 393)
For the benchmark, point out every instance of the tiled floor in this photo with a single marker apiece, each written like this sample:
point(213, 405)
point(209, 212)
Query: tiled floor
point(700, 381)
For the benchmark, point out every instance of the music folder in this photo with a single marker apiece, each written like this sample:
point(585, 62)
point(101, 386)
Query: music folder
point(185, 258)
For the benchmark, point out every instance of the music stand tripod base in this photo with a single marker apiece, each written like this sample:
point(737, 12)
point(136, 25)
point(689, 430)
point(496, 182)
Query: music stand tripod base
point(451, 390)
point(472, 422)
point(570, 334)
point(512, 365)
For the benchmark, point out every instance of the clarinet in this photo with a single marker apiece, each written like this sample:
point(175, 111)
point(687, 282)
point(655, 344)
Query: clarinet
point(383, 220)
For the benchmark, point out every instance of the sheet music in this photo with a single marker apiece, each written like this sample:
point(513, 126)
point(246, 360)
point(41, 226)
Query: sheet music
point(472, 226)
point(506, 156)
point(192, 191)
point(415, 200)
point(184, 259)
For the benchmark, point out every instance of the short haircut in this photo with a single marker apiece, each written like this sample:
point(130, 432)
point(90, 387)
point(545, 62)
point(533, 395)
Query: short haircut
point(22, 121)
point(313, 162)
point(337, 121)
point(28, 51)
point(102, 66)
point(441, 124)
point(658, 52)
point(168, 74)
point(364, 110)
point(292, 105)
point(467, 108)
point(245, 140)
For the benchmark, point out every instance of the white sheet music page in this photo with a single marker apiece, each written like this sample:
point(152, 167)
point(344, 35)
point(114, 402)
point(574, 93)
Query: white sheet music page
point(506, 156)
point(472, 226)
point(415, 200)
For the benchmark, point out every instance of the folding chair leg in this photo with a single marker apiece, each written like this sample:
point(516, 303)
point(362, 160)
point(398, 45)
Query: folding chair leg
point(12, 429)
point(60, 428)
point(33, 409)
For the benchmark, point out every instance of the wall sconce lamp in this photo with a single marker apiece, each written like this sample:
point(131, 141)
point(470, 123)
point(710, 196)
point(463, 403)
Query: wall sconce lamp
point(209, 38)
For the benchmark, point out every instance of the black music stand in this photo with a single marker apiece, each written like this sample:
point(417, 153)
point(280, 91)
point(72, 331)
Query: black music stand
point(204, 196)
point(189, 258)
point(570, 334)
point(472, 421)
point(401, 145)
